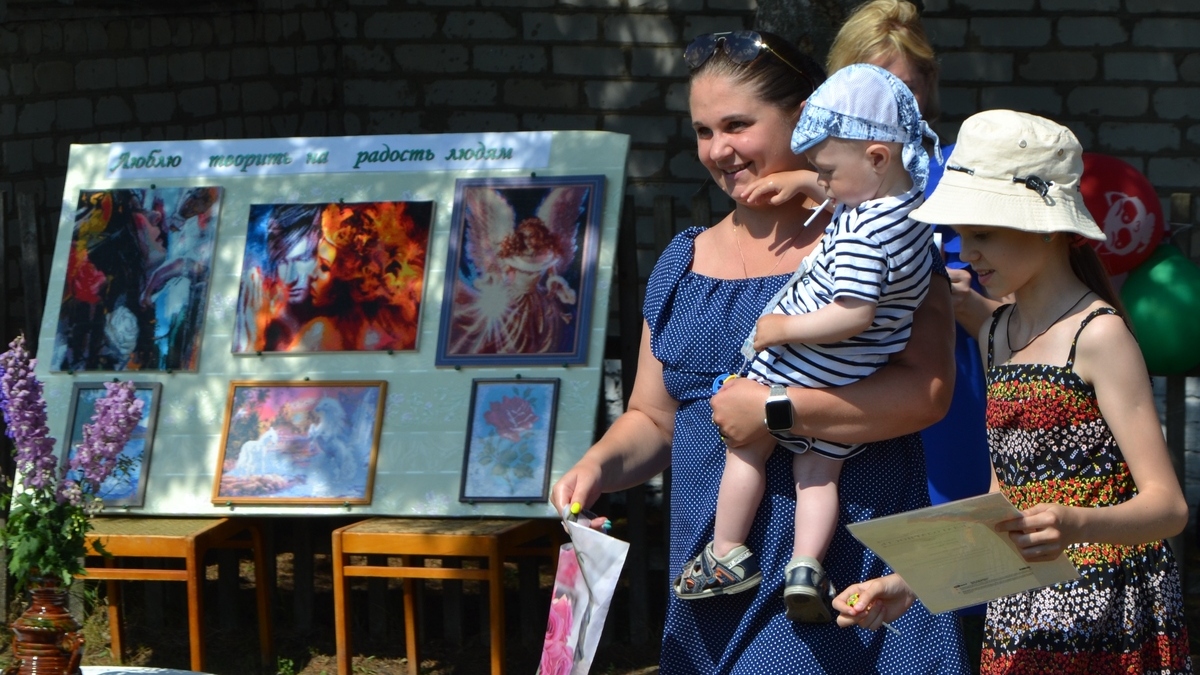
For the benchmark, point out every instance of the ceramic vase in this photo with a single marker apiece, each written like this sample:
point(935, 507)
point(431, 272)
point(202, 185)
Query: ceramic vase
point(47, 640)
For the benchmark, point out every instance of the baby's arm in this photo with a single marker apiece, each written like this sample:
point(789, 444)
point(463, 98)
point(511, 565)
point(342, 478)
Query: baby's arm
point(841, 319)
point(781, 187)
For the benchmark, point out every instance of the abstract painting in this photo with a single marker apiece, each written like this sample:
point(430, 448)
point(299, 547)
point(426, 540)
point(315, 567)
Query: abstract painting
point(137, 279)
point(332, 277)
point(300, 442)
point(510, 435)
point(521, 270)
point(127, 485)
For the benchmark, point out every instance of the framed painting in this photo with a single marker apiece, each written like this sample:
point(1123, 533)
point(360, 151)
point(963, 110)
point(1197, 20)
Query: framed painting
point(300, 442)
point(521, 271)
point(137, 279)
point(127, 485)
point(510, 440)
point(332, 277)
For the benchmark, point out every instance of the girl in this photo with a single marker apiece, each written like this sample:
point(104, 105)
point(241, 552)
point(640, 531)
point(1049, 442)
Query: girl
point(1074, 436)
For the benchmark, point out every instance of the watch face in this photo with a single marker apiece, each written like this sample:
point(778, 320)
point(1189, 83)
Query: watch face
point(779, 415)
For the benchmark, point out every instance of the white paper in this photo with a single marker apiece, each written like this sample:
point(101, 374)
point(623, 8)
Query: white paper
point(952, 556)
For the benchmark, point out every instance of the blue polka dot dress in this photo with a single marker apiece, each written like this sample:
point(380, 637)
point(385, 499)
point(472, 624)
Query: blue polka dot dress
point(696, 325)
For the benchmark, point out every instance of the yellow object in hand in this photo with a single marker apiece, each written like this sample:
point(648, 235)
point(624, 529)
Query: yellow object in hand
point(576, 507)
point(852, 599)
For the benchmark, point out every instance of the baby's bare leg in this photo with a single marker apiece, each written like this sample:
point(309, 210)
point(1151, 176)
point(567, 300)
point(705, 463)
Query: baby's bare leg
point(742, 487)
point(816, 479)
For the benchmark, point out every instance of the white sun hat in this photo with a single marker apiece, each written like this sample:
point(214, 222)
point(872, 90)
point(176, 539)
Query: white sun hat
point(1015, 170)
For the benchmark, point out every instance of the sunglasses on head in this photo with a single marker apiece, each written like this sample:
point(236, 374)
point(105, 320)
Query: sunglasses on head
point(741, 46)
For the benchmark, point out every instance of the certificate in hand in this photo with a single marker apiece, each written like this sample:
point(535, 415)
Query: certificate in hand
point(952, 556)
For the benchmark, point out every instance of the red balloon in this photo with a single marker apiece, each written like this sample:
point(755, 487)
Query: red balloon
point(1125, 206)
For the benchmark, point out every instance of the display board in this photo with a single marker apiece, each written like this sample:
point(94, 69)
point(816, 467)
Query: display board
point(330, 318)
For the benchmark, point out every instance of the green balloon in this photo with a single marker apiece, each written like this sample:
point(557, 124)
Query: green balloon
point(1162, 297)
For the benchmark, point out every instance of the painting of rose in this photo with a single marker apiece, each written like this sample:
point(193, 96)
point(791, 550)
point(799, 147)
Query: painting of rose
point(510, 436)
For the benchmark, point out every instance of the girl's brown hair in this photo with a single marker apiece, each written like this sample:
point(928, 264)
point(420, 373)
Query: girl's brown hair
point(1086, 265)
point(783, 84)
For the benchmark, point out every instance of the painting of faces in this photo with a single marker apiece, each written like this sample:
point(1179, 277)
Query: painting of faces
point(520, 276)
point(332, 277)
point(137, 279)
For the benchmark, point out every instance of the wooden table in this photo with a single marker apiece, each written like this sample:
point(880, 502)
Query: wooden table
point(405, 538)
point(188, 539)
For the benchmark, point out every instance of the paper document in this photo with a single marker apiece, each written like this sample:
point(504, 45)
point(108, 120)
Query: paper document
point(952, 558)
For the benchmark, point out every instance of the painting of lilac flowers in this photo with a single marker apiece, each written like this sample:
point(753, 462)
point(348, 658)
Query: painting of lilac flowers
point(126, 486)
point(510, 438)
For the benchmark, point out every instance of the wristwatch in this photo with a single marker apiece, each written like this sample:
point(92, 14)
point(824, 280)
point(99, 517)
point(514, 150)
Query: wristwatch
point(779, 409)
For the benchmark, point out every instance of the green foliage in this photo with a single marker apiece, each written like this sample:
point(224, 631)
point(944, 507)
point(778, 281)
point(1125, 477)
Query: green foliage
point(45, 538)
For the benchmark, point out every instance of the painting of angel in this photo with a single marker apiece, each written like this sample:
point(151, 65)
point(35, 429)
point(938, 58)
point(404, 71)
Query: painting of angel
point(332, 277)
point(126, 487)
point(300, 442)
point(510, 436)
point(137, 279)
point(521, 271)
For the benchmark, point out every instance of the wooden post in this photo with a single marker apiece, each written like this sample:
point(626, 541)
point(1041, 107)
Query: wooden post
point(377, 610)
point(31, 270)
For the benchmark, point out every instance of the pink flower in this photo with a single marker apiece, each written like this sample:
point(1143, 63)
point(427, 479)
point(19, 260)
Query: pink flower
point(568, 570)
point(511, 416)
point(557, 657)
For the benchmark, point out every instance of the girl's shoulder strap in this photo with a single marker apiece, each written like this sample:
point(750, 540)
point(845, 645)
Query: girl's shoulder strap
point(992, 334)
point(1083, 324)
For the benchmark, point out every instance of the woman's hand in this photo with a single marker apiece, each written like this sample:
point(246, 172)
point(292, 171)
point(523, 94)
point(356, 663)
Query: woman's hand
point(874, 601)
point(739, 411)
point(581, 483)
point(1043, 532)
point(783, 186)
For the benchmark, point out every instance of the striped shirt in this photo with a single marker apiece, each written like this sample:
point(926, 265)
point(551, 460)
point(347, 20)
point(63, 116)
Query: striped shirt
point(876, 253)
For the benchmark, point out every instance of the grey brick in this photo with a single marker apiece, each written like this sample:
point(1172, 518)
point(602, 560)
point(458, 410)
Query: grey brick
point(619, 95)
point(31, 39)
point(478, 121)
point(199, 102)
point(283, 61)
point(96, 74)
point(1193, 136)
point(156, 107)
point(74, 37)
point(542, 4)
point(308, 59)
point(461, 93)
point(1004, 32)
point(701, 25)
point(1176, 172)
point(378, 94)
point(540, 26)
point(112, 110)
point(445, 3)
point(54, 76)
point(1092, 31)
point(157, 70)
point(118, 35)
point(43, 151)
point(1189, 69)
point(1091, 6)
point(4, 85)
point(477, 26)
point(393, 122)
point(677, 100)
point(9, 42)
point(1154, 66)
point(593, 61)
point(202, 34)
point(52, 38)
point(587, 4)
point(314, 123)
point(8, 119)
point(1139, 137)
point(139, 33)
point(186, 67)
point(644, 163)
point(160, 32)
point(366, 59)
point(658, 62)
point(18, 156)
point(285, 125)
point(640, 29)
point(272, 28)
point(316, 26)
point(1038, 100)
point(735, 5)
point(647, 129)
point(131, 72)
point(432, 58)
point(1167, 33)
point(541, 93)
point(399, 25)
point(259, 97)
point(96, 36)
point(290, 26)
point(243, 28)
point(555, 122)
point(977, 67)
point(181, 32)
point(1005, 5)
point(687, 165)
point(250, 62)
point(223, 29)
point(682, 6)
point(1074, 67)
point(1162, 7)
point(22, 78)
point(510, 59)
point(346, 26)
point(1177, 103)
point(217, 65)
point(1108, 101)
point(945, 33)
point(73, 113)
point(1082, 132)
point(231, 99)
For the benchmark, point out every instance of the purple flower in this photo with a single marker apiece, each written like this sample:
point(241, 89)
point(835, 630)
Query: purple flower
point(25, 417)
point(116, 416)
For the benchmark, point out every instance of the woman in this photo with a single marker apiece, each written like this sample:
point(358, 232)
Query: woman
point(701, 302)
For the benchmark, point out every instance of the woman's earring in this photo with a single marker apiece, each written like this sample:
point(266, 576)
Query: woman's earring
point(1046, 238)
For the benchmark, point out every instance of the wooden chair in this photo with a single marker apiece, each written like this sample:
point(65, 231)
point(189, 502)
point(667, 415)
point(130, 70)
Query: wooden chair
point(493, 540)
point(188, 539)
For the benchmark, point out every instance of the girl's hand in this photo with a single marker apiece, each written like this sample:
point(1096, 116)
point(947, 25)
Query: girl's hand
point(874, 601)
point(1043, 532)
point(770, 331)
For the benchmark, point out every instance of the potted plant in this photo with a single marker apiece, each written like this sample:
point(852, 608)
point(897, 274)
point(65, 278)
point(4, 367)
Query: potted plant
point(48, 522)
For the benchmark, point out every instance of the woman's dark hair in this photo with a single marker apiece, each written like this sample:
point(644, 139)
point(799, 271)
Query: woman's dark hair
point(290, 225)
point(1086, 265)
point(775, 81)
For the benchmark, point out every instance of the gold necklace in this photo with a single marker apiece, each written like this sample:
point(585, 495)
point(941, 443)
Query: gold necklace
point(738, 240)
point(1008, 328)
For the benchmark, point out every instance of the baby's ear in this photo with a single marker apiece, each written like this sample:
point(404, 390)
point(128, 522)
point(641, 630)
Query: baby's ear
point(880, 156)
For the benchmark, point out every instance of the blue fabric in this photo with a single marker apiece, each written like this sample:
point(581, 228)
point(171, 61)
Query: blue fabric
point(956, 450)
point(697, 325)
